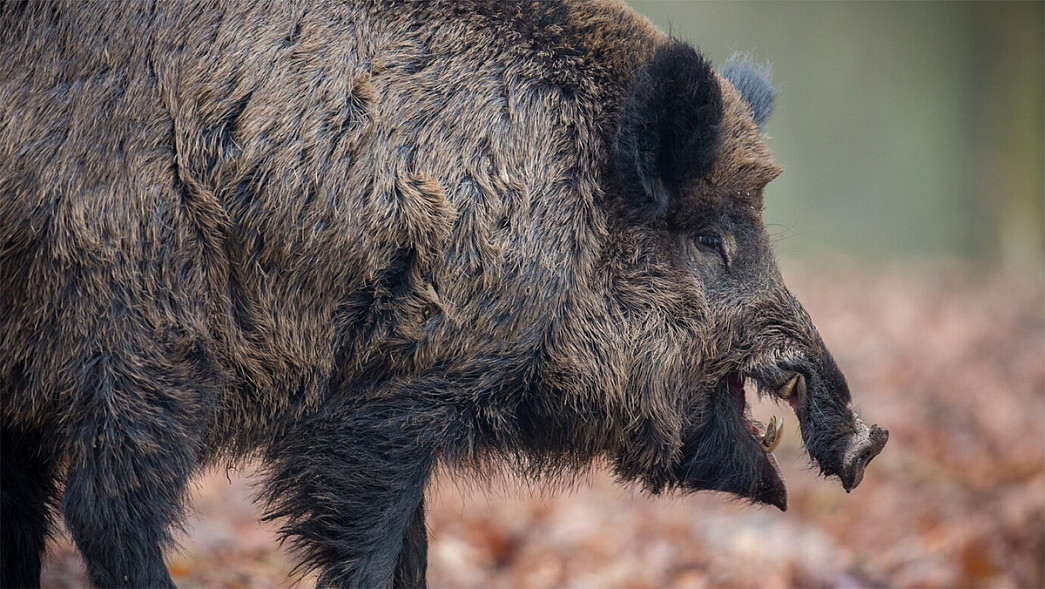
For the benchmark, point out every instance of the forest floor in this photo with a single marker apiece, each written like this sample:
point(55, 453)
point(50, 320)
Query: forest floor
point(950, 361)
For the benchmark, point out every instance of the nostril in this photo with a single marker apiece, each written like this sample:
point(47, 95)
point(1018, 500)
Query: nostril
point(876, 440)
point(864, 458)
point(873, 450)
point(878, 437)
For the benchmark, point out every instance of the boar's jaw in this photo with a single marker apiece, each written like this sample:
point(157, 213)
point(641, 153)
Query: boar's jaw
point(833, 433)
point(726, 453)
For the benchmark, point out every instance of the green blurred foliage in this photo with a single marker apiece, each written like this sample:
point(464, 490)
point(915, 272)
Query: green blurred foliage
point(908, 130)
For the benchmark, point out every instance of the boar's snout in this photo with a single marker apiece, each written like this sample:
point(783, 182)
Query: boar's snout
point(834, 434)
point(863, 446)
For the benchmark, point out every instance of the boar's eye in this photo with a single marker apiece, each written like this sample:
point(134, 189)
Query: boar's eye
point(713, 243)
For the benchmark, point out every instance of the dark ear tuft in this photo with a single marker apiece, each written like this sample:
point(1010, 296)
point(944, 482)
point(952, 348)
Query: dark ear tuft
point(752, 81)
point(669, 127)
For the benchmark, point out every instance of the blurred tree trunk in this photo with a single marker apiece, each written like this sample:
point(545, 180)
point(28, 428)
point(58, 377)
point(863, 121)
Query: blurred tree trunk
point(1013, 131)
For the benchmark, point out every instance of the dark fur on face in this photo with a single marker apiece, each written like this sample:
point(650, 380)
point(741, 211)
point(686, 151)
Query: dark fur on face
point(360, 241)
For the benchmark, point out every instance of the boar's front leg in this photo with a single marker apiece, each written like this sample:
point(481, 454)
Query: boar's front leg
point(131, 451)
point(27, 487)
point(412, 566)
point(348, 483)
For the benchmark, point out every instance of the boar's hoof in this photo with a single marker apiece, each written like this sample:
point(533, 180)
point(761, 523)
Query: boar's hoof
point(863, 446)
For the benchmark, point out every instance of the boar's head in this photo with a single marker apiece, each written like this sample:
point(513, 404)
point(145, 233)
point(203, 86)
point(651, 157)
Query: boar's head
point(698, 300)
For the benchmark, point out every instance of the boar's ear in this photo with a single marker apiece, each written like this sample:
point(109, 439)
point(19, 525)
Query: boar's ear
point(752, 81)
point(669, 127)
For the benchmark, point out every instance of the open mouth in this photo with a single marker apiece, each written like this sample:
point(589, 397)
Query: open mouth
point(732, 452)
point(768, 436)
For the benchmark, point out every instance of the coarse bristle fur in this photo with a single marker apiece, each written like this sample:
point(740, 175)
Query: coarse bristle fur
point(358, 240)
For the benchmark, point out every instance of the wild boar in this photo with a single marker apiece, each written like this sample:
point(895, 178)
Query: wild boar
point(361, 240)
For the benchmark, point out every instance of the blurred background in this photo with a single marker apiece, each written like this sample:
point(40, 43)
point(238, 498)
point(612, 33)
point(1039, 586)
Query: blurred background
point(909, 221)
point(908, 130)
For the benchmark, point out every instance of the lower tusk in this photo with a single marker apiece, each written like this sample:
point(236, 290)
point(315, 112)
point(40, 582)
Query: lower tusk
point(774, 433)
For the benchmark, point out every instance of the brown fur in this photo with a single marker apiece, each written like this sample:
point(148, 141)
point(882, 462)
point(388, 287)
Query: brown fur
point(358, 237)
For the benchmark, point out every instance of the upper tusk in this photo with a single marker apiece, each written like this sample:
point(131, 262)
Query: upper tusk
point(796, 384)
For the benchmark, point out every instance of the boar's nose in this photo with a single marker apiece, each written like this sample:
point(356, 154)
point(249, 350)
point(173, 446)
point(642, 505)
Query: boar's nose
point(864, 445)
